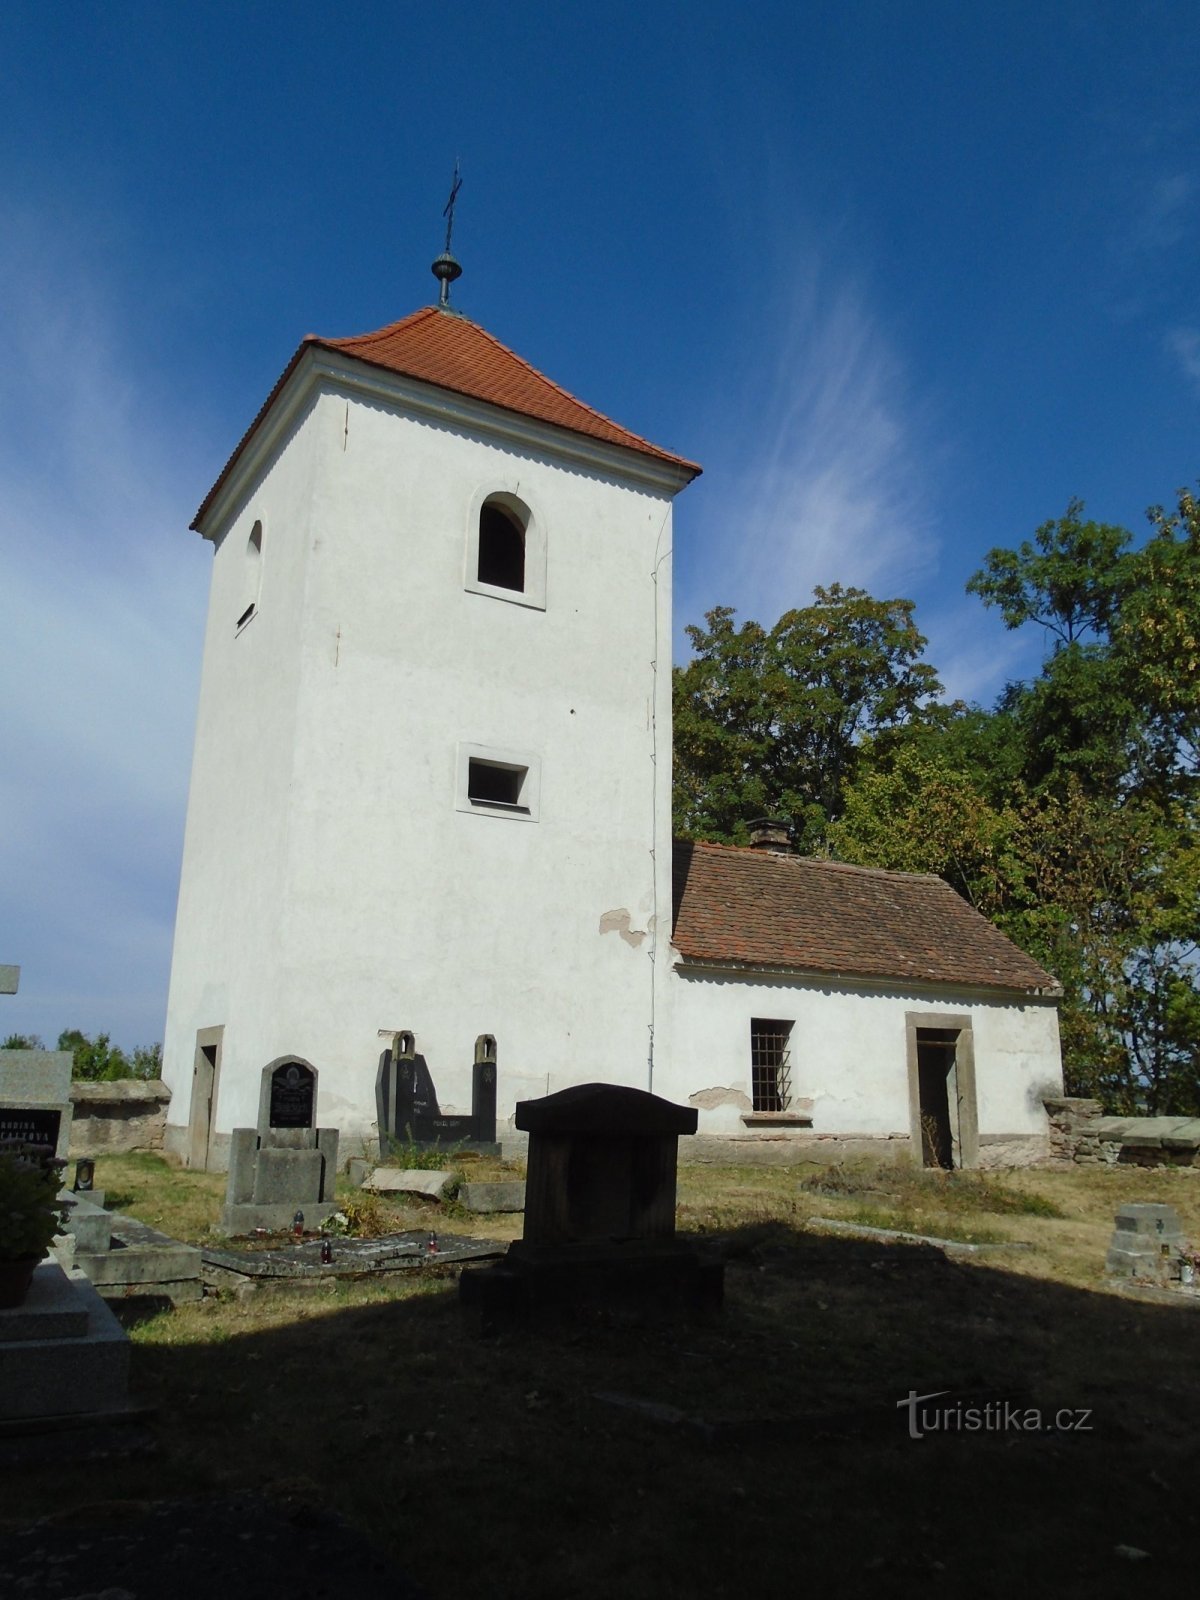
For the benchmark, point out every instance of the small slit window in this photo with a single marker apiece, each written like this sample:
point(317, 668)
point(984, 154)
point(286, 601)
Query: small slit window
point(251, 576)
point(501, 548)
point(770, 1064)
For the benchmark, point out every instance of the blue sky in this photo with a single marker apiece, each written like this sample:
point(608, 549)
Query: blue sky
point(904, 277)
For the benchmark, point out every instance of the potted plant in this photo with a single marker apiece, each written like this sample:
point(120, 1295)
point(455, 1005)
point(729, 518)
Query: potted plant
point(30, 1214)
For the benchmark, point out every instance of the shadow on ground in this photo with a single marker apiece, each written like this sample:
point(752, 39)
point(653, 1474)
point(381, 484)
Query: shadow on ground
point(756, 1452)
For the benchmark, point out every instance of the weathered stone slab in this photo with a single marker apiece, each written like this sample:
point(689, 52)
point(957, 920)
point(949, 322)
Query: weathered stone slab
point(408, 1180)
point(9, 978)
point(51, 1310)
point(140, 1260)
point(1184, 1136)
point(490, 1197)
point(87, 1373)
point(283, 1175)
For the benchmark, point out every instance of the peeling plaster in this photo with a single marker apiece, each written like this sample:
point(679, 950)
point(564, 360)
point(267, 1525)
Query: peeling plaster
point(710, 1099)
point(619, 922)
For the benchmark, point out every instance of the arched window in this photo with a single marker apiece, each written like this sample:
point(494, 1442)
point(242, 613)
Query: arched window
point(501, 547)
point(251, 574)
point(506, 547)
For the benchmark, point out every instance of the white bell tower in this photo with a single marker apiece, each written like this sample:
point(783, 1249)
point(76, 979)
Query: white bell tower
point(431, 786)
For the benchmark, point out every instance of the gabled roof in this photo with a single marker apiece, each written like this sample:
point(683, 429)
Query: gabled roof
point(441, 347)
point(754, 908)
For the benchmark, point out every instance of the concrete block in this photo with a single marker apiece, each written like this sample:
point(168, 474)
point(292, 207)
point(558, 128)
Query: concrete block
point(358, 1170)
point(283, 1175)
point(486, 1197)
point(89, 1224)
point(327, 1144)
point(408, 1180)
point(87, 1373)
point(243, 1157)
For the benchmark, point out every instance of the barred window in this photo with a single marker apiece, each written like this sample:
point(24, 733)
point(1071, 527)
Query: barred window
point(770, 1064)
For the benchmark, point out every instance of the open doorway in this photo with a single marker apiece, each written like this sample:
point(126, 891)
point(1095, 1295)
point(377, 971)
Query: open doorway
point(206, 1077)
point(941, 1090)
point(936, 1088)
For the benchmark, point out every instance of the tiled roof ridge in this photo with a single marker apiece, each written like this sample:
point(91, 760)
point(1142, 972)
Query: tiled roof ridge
point(791, 859)
point(353, 345)
point(605, 429)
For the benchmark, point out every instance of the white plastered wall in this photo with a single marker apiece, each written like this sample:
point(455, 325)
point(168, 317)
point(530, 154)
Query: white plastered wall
point(849, 1053)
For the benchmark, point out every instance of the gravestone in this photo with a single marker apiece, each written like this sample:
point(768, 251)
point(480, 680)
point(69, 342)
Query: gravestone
point(35, 1089)
point(286, 1164)
point(408, 1104)
point(599, 1225)
point(64, 1358)
point(1146, 1243)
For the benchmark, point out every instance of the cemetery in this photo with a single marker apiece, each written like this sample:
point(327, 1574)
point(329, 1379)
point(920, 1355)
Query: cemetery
point(694, 1347)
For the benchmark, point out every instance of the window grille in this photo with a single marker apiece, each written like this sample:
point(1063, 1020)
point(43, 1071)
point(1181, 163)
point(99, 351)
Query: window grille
point(770, 1064)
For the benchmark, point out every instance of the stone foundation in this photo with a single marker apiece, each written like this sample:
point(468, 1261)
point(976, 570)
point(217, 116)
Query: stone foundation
point(1080, 1135)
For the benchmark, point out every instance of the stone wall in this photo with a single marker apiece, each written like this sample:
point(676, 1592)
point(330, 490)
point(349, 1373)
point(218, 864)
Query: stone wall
point(1080, 1134)
point(110, 1118)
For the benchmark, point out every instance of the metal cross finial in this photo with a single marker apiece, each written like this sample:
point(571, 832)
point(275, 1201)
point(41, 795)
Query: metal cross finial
point(446, 268)
point(448, 213)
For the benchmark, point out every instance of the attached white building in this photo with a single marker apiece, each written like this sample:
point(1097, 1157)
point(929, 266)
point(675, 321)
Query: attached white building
point(431, 787)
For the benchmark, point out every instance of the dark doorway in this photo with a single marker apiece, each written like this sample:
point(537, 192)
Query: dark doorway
point(938, 1094)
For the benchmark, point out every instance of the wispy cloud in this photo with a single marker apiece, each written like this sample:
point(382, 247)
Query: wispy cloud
point(820, 477)
point(1184, 344)
point(99, 653)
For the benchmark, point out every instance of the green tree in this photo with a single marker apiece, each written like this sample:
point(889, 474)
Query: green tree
point(921, 813)
point(771, 722)
point(1156, 636)
point(1114, 912)
point(1070, 580)
point(22, 1041)
point(95, 1059)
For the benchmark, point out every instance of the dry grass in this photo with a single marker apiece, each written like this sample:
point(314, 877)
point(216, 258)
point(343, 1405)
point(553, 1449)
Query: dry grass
point(490, 1467)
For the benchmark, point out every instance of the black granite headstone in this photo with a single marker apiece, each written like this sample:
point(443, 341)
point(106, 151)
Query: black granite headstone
point(292, 1096)
point(30, 1125)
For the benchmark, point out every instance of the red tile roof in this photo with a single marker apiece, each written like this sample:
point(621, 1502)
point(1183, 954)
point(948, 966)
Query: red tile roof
point(448, 350)
point(755, 908)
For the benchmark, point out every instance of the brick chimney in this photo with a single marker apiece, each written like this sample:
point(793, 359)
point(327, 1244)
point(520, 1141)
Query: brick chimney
point(770, 833)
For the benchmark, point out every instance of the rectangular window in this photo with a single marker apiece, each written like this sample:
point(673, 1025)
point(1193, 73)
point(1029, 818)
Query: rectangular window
point(489, 784)
point(497, 783)
point(770, 1064)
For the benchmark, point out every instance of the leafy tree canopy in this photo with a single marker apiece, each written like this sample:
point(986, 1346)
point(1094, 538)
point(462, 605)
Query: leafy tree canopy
point(770, 721)
point(99, 1060)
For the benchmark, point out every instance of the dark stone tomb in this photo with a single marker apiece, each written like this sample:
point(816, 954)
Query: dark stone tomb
point(408, 1102)
point(600, 1210)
